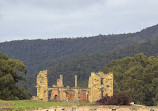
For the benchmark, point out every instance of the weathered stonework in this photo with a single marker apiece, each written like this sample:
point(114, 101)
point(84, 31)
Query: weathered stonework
point(42, 86)
point(100, 84)
point(100, 108)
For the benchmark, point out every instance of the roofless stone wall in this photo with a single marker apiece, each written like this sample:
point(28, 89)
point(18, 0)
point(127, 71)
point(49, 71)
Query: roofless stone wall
point(100, 84)
point(42, 86)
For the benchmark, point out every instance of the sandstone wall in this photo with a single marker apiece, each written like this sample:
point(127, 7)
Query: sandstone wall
point(100, 108)
point(100, 84)
point(42, 86)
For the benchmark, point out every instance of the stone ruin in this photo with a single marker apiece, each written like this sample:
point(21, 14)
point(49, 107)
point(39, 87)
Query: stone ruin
point(99, 85)
point(42, 86)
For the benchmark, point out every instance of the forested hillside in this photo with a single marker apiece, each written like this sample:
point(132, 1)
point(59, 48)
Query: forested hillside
point(80, 55)
point(96, 62)
point(41, 54)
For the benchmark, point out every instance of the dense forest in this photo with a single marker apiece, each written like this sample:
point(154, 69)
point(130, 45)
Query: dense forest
point(136, 76)
point(41, 54)
point(70, 56)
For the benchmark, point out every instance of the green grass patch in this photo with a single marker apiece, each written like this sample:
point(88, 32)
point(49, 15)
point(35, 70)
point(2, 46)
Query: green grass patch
point(5, 103)
point(21, 104)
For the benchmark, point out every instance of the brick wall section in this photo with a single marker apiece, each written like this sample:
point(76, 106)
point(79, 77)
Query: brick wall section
point(55, 96)
point(83, 95)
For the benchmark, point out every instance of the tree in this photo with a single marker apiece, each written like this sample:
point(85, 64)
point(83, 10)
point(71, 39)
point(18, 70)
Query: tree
point(10, 74)
point(136, 76)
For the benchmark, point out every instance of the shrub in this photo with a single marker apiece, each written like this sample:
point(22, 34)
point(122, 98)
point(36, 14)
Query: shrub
point(117, 99)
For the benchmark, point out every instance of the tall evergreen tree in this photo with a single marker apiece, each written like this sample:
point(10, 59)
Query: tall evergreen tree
point(10, 74)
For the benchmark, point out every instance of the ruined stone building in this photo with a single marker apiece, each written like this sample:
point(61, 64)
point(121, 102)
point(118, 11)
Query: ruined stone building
point(99, 85)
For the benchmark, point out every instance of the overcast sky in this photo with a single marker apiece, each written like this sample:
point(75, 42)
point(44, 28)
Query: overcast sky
point(33, 19)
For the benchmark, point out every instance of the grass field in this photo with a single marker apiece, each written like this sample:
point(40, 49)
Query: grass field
point(34, 104)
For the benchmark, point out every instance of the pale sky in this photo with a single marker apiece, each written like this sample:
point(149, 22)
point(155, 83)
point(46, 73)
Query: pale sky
point(34, 19)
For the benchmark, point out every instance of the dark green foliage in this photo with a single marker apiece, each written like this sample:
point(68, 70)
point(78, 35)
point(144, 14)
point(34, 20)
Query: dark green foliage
point(10, 74)
point(117, 99)
point(41, 54)
point(136, 76)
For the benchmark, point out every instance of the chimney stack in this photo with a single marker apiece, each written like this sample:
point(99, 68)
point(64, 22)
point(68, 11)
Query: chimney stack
point(75, 81)
point(61, 80)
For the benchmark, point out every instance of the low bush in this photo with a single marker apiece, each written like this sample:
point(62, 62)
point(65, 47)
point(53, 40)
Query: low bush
point(117, 99)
